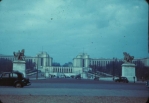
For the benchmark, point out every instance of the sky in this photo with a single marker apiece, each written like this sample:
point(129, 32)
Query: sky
point(66, 28)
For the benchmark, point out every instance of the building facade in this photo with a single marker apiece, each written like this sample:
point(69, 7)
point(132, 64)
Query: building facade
point(81, 64)
point(82, 60)
point(43, 60)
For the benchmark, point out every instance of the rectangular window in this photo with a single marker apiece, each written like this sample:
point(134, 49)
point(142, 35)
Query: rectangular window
point(83, 62)
point(6, 75)
point(14, 75)
point(41, 61)
point(53, 70)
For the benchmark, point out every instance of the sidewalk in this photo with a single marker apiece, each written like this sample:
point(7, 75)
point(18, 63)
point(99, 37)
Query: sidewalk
point(102, 79)
point(37, 78)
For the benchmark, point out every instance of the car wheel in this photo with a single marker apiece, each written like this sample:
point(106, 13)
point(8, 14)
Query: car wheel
point(18, 85)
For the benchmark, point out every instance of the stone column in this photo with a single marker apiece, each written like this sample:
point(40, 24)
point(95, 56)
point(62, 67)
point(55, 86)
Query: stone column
point(19, 65)
point(128, 70)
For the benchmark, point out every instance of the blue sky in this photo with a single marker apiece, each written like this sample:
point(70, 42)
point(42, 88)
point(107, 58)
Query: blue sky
point(65, 28)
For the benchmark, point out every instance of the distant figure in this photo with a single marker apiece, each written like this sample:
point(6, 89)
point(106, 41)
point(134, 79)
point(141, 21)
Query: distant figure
point(128, 58)
point(19, 55)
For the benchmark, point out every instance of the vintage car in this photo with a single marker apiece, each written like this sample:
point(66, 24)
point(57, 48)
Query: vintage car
point(96, 78)
point(122, 79)
point(15, 79)
point(147, 83)
point(78, 76)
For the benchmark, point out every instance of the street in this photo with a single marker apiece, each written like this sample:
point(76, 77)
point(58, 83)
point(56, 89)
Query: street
point(62, 86)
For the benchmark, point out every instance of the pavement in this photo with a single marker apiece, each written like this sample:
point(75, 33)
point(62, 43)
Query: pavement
point(73, 92)
point(102, 79)
point(38, 78)
point(75, 87)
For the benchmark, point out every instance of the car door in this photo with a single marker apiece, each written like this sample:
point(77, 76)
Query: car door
point(1, 80)
point(5, 79)
point(13, 78)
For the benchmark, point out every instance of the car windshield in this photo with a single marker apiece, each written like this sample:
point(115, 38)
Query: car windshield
point(23, 75)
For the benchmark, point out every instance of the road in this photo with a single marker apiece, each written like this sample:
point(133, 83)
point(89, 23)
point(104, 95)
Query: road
point(78, 87)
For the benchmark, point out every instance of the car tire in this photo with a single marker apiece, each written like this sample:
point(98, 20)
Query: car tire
point(18, 85)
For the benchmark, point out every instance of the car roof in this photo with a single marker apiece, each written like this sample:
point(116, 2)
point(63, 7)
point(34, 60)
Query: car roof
point(13, 72)
point(123, 77)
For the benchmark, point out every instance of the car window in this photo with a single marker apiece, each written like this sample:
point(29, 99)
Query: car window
point(23, 75)
point(14, 75)
point(6, 75)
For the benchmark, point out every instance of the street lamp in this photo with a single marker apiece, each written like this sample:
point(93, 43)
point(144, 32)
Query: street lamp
point(113, 68)
point(37, 67)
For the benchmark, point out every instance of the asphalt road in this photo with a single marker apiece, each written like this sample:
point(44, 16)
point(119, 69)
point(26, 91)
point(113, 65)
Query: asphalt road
point(78, 87)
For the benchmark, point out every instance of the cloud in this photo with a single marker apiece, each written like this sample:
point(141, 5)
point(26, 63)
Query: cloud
point(65, 27)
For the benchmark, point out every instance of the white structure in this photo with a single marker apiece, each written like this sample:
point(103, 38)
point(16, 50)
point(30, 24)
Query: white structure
point(81, 60)
point(101, 62)
point(145, 61)
point(128, 70)
point(19, 65)
point(81, 64)
point(61, 71)
point(44, 64)
point(43, 60)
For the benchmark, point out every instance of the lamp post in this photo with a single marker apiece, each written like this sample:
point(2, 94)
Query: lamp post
point(45, 72)
point(113, 68)
point(37, 67)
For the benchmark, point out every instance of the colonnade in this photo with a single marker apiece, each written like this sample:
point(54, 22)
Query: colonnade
point(62, 70)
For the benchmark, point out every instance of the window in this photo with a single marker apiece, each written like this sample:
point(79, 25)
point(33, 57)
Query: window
point(93, 62)
point(83, 63)
point(14, 75)
point(6, 75)
point(41, 62)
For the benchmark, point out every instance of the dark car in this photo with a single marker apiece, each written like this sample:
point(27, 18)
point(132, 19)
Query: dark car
point(15, 79)
point(122, 79)
point(96, 78)
point(78, 76)
point(147, 83)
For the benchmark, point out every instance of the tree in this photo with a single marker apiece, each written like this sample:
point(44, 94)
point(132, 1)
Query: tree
point(30, 65)
point(55, 64)
point(142, 72)
point(6, 65)
point(69, 64)
point(96, 68)
point(113, 68)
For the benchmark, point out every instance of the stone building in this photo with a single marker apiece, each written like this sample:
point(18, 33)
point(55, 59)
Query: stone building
point(43, 60)
point(81, 60)
point(81, 64)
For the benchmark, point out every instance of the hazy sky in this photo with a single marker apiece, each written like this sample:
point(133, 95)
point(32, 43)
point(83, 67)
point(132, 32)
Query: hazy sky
point(65, 28)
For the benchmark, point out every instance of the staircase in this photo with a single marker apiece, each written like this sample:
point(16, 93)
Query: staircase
point(97, 75)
